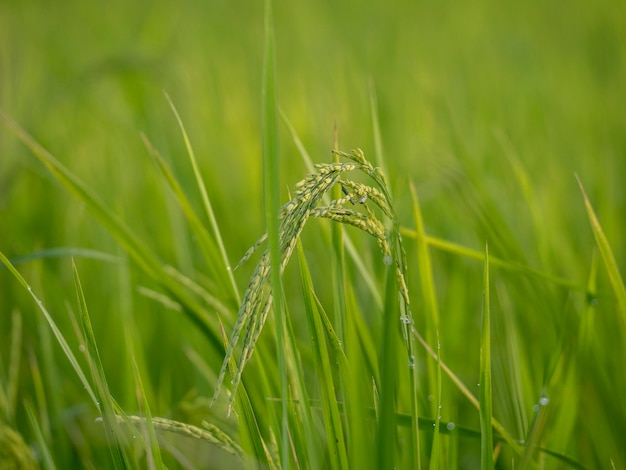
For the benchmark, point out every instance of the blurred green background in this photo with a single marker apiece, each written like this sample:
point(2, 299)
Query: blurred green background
point(465, 91)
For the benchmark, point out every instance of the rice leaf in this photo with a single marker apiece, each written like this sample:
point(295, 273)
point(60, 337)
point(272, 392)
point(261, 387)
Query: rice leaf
point(212, 253)
point(486, 432)
point(206, 203)
point(607, 256)
point(42, 445)
point(55, 330)
point(454, 248)
point(386, 430)
point(106, 406)
point(271, 194)
point(335, 440)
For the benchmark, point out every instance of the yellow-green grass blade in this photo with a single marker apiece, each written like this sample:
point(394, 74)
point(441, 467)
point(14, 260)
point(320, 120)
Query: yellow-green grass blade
point(271, 196)
point(55, 330)
point(387, 387)
point(607, 256)
point(335, 440)
point(8, 398)
point(435, 454)
point(347, 327)
point(45, 454)
point(210, 251)
point(206, 202)
point(586, 330)
point(525, 183)
point(535, 433)
point(106, 406)
point(144, 258)
point(153, 450)
point(379, 156)
point(486, 406)
point(517, 448)
point(358, 372)
point(301, 419)
point(431, 308)
point(66, 252)
point(454, 248)
point(453, 429)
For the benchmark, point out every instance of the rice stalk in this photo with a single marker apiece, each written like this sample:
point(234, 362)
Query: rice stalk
point(353, 209)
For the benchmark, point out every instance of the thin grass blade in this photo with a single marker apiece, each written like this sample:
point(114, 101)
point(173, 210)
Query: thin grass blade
point(206, 202)
point(15, 359)
point(387, 388)
point(607, 256)
point(55, 330)
point(212, 253)
point(113, 432)
point(486, 432)
point(271, 196)
point(42, 446)
point(335, 439)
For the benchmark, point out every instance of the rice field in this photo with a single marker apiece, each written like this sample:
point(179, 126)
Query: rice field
point(312, 235)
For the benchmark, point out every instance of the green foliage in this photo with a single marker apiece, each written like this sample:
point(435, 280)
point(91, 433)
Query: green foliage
point(391, 339)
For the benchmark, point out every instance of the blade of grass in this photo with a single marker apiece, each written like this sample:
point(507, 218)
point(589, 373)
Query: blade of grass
point(435, 454)
point(271, 193)
point(535, 433)
point(15, 359)
point(335, 440)
point(151, 443)
point(113, 432)
point(55, 330)
point(486, 432)
point(66, 252)
point(301, 429)
point(477, 255)
point(207, 246)
point(379, 157)
point(429, 295)
point(386, 432)
point(607, 256)
point(206, 202)
point(43, 448)
point(40, 396)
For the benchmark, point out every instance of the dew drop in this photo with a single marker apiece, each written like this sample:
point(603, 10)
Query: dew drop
point(543, 401)
point(536, 408)
point(450, 426)
point(387, 260)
